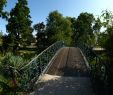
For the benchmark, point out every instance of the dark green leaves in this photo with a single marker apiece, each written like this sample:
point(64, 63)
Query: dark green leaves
point(19, 25)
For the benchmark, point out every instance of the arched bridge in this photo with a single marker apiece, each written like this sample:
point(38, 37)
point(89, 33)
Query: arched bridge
point(61, 70)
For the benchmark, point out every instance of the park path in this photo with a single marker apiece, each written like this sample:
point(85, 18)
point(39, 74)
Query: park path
point(68, 75)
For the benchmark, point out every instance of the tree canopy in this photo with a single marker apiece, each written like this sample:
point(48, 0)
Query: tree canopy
point(83, 27)
point(58, 28)
point(19, 24)
point(2, 4)
point(108, 24)
point(3, 13)
point(41, 36)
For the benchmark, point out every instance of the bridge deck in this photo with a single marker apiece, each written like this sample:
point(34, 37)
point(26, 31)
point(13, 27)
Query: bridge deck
point(68, 75)
point(69, 62)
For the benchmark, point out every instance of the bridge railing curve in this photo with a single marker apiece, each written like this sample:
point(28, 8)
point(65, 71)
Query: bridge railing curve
point(35, 67)
point(101, 72)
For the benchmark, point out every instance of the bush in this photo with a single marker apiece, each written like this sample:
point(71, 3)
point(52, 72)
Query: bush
point(9, 71)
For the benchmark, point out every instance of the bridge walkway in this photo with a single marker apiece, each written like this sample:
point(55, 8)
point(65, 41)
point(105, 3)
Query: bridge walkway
point(67, 75)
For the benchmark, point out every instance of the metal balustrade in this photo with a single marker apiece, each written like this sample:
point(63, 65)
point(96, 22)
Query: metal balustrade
point(35, 67)
point(100, 70)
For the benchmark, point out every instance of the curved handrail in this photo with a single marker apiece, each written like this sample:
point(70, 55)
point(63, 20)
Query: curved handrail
point(31, 71)
point(41, 54)
point(100, 70)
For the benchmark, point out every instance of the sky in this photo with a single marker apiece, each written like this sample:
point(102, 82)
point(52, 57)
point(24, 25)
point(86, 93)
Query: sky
point(40, 9)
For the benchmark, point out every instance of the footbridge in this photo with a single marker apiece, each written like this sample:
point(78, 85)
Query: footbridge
point(62, 70)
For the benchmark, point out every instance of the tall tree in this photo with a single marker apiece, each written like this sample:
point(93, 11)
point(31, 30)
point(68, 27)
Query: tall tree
point(1, 35)
point(1, 41)
point(19, 23)
point(83, 27)
point(73, 22)
point(66, 31)
point(107, 18)
point(3, 15)
point(58, 28)
point(108, 24)
point(54, 21)
point(2, 4)
point(41, 36)
point(96, 27)
point(5, 45)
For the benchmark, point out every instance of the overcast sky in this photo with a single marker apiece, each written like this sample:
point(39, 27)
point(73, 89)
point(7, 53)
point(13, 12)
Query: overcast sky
point(39, 9)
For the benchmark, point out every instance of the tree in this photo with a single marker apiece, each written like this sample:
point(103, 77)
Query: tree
point(53, 24)
point(102, 39)
point(109, 41)
point(108, 24)
point(66, 31)
point(96, 27)
point(5, 44)
point(1, 40)
point(41, 36)
point(83, 27)
point(1, 35)
point(2, 4)
point(73, 22)
point(3, 15)
point(58, 28)
point(107, 18)
point(19, 25)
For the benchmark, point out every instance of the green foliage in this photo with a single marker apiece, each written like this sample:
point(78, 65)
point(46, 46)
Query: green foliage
point(1, 35)
point(53, 24)
point(107, 18)
point(6, 44)
point(41, 36)
point(58, 28)
point(2, 4)
point(108, 35)
point(73, 21)
point(109, 42)
point(102, 39)
point(10, 72)
point(83, 27)
point(96, 27)
point(19, 23)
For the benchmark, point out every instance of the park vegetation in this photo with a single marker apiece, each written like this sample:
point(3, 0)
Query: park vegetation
point(15, 50)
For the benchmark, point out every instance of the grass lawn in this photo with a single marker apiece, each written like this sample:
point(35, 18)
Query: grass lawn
point(27, 54)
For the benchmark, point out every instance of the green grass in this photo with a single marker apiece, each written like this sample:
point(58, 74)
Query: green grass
point(26, 54)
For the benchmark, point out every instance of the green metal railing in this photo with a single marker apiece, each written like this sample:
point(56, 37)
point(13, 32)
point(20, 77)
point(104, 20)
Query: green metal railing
point(35, 67)
point(101, 73)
